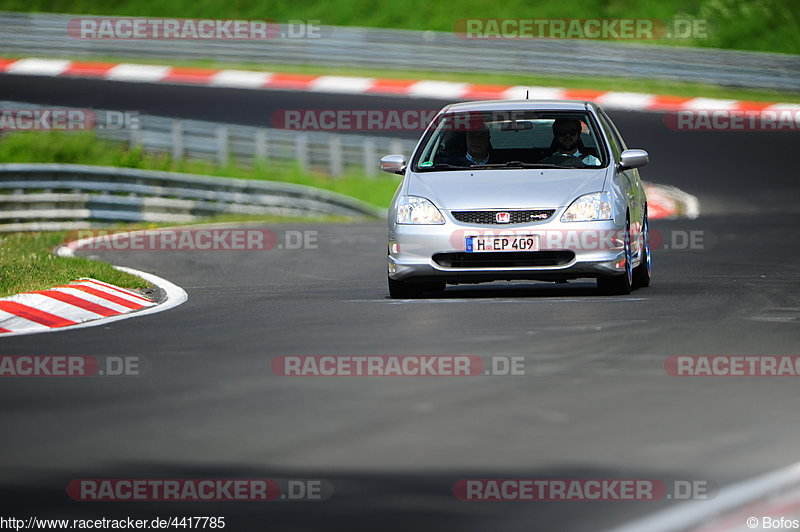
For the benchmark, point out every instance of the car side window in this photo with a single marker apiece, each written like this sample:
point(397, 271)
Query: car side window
point(615, 131)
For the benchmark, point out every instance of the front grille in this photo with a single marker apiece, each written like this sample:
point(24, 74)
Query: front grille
point(504, 259)
point(488, 217)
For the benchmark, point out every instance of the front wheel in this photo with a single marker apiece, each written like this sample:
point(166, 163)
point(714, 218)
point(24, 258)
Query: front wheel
point(406, 290)
point(620, 284)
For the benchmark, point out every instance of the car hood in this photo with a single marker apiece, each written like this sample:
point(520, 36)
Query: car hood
point(505, 189)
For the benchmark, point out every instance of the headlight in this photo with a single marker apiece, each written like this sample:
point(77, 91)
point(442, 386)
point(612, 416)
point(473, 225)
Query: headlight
point(416, 210)
point(589, 207)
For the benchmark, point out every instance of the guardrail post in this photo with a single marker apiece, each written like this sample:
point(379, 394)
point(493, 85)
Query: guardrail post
point(369, 161)
point(177, 140)
point(396, 147)
point(136, 138)
point(261, 148)
point(336, 166)
point(301, 151)
point(223, 152)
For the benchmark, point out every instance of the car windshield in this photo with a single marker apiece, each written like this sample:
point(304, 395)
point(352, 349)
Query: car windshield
point(511, 140)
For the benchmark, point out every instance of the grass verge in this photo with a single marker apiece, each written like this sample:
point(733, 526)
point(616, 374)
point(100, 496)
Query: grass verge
point(26, 263)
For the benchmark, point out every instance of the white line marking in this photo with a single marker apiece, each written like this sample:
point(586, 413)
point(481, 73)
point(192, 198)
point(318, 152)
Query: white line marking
point(117, 289)
point(710, 104)
point(689, 515)
point(110, 291)
point(38, 67)
point(782, 106)
point(518, 92)
point(437, 89)
point(626, 100)
point(341, 84)
point(131, 72)
point(54, 307)
point(12, 322)
point(86, 296)
point(479, 299)
point(240, 79)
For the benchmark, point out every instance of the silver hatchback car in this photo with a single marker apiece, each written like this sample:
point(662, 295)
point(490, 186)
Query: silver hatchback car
point(512, 190)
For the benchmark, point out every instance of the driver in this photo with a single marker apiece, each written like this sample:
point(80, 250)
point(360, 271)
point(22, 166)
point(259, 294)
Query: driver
point(567, 141)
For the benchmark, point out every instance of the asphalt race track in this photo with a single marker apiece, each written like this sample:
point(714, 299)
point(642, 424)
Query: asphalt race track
point(595, 402)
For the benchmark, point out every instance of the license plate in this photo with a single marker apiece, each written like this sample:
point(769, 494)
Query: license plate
point(478, 244)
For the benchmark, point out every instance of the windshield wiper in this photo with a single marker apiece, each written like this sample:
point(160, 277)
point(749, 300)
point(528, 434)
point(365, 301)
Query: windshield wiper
point(510, 164)
point(518, 164)
point(442, 166)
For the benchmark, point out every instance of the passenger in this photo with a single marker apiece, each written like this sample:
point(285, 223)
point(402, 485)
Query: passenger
point(478, 148)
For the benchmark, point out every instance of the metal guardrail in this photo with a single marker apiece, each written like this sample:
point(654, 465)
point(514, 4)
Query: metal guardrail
point(46, 35)
point(37, 197)
point(330, 153)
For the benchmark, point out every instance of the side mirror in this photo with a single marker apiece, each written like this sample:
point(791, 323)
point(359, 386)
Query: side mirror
point(633, 159)
point(394, 164)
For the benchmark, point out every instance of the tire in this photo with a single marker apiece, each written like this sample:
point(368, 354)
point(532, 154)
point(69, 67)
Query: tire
point(642, 273)
point(404, 290)
point(620, 284)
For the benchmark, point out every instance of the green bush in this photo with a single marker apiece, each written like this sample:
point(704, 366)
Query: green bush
point(764, 25)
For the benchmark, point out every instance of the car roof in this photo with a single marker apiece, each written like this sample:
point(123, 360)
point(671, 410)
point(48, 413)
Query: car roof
point(521, 105)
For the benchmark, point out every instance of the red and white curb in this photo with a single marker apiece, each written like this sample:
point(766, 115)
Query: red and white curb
point(665, 201)
point(446, 90)
point(70, 304)
point(82, 303)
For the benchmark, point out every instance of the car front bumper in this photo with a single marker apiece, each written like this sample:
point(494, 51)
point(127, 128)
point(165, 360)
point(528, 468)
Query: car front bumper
point(566, 251)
